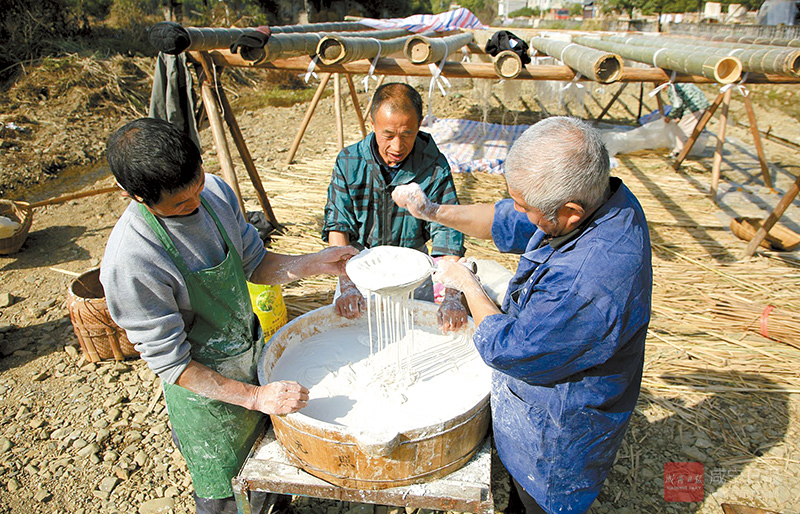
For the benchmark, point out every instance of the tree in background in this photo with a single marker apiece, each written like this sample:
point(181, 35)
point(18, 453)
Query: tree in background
point(525, 12)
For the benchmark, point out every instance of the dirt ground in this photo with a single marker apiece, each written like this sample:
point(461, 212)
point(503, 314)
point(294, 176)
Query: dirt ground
point(80, 438)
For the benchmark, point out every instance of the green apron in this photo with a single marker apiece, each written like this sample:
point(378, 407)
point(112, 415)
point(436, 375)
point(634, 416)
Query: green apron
point(215, 437)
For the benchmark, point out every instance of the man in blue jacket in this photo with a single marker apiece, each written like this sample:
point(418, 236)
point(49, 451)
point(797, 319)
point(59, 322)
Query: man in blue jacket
point(568, 345)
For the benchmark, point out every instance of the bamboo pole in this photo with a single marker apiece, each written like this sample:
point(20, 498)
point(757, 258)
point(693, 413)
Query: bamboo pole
point(613, 99)
point(75, 196)
point(337, 105)
point(453, 69)
point(324, 78)
point(724, 70)
point(221, 144)
point(420, 49)
point(755, 58)
point(507, 64)
point(247, 159)
point(336, 49)
point(717, 165)
point(753, 40)
point(762, 158)
point(356, 104)
point(600, 66)
point(215, 120)
point(704, 119)
point(773, 218)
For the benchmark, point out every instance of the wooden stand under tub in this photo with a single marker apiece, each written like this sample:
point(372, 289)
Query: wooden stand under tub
point(465, 490)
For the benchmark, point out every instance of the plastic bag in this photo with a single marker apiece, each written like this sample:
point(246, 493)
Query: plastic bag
point(653, 135)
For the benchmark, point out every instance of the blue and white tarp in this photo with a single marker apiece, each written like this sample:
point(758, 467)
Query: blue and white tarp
point(460, 18)
point(471, 146)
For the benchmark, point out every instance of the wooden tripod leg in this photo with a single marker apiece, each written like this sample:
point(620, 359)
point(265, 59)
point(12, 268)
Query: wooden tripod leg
point(221, 144)
point(247, 159)
point(773, 218)
point(324, 78)
point(613, 99)
point(641, 100)
point(704, 119)
point(354, 97)
point(369, 104)
point(660, 103)
point(716, 167)
point(337, 109)
point(762, 158)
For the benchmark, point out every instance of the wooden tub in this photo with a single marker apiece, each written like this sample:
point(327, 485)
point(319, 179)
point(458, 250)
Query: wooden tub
point(349, 457)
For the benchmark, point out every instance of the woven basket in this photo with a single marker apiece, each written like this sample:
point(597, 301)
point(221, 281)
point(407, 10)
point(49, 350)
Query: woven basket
point(778, 238)
point(22, 213)
point(99, 336)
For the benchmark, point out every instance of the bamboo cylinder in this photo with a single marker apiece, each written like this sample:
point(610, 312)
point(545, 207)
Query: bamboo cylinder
point(755, 58)
point(603, 67)
point(724, 70)
point(336, 49)
point(453, 69)
point(753, 40)
point(423, 50)
point(173, 38)
point(507, 64)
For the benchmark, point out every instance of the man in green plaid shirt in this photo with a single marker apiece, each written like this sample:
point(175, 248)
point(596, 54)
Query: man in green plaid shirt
point(360, 210)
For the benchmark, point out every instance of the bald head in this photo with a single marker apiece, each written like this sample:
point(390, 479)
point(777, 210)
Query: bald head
point(397, 98)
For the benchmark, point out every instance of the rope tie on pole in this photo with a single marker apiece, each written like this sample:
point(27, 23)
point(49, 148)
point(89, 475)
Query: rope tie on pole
point(310, 71)
point(465, 52)
point(437, 79)
point(739, 85)
point(371, 72)
point(670, 84)
point(561, 57)
point(573, 82)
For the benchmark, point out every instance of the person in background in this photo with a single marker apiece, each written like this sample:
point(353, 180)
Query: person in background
point(174, 274)
point(567, 346)
point(688, 103)
point(360, 211)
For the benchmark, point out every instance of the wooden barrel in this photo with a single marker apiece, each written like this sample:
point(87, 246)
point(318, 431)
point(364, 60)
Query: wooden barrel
point(99, 336)
point(348, 458)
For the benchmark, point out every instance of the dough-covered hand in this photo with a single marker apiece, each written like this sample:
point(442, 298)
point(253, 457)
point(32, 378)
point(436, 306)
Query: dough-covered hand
point(455, 275)
point(280, 398)
point(333, 259)
point(351, 303)
point(451, 314)
point(411, 197)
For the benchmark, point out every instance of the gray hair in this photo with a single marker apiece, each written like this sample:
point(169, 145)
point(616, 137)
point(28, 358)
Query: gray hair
point(559, 160)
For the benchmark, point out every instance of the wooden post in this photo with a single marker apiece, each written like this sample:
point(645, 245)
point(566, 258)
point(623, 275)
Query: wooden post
point(716, 167)
point(325, 77)
point(641, 100)
point(660, 102)
point(337, 108)
point(773, 218)
point(369, 104)
point(215, 120)
point(356, 105)
point(762, 158)
point(613, 99)
point(697, 130)
point(247, 159)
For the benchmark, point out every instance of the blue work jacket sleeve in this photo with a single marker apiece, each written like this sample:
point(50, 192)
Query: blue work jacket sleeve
point(511, 230)
point(558, 333)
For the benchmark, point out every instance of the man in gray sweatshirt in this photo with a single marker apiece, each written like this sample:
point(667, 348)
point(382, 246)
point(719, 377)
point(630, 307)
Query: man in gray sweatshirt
point(174, 274)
